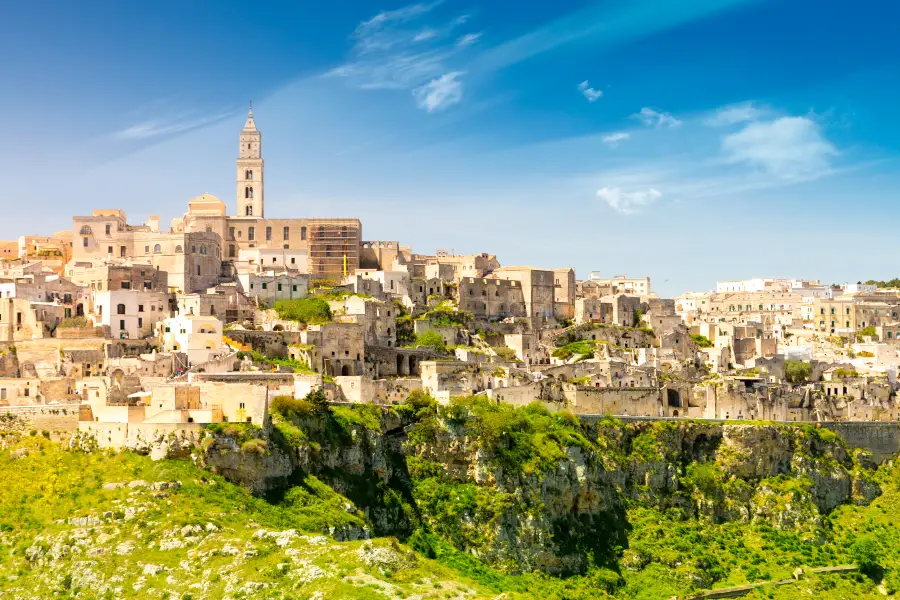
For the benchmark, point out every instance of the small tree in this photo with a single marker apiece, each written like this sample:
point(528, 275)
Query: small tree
point(431, 339)
point(797, 371)
point(866, 554)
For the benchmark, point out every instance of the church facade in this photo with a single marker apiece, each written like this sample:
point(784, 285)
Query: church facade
point(207, 245)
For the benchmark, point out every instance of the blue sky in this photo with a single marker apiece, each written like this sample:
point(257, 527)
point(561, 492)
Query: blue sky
point(687, 140)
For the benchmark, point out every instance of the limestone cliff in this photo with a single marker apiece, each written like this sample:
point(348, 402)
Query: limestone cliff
point(524, 489)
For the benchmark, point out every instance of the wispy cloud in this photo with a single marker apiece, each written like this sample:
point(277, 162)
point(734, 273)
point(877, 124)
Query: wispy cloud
point(604, 25)
point(653, 118)
point(612, 140)
point(425, 34)
point(628, 203)
point(787, 147)
point(733, 114)
point(468, 39)
point(165, 126)
point(394, 50)
point(439, 93)
point(588, 92)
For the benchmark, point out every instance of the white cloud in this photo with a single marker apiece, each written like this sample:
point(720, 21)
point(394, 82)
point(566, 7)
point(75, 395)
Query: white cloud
point(788, 147)
point(395, 50)
point(628, 203)
point(468, 39)
point(653, 118)
point(425, 34)
point(439, 93)
point(169, 125)
point(612, 140)
point(735, 113)
point(588, 92)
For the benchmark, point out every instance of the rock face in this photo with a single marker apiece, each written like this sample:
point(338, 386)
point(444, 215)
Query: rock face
point(566, 508)
point(260, 471)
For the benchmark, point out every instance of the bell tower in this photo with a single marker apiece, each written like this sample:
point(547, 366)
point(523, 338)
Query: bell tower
point(250, 171)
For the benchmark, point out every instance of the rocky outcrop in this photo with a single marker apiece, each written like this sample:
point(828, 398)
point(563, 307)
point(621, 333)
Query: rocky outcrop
point(562, 514)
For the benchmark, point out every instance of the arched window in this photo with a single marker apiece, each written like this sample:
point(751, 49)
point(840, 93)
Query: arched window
point(85, 230)
point(247, 192)
point(249, 174)
point(178, 250)
point(251, 192)
point(202, 249)
point(249, 213)
point(157, 249)
point(120, 309)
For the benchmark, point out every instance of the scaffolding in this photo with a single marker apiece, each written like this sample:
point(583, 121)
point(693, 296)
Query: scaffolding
point(333, 247)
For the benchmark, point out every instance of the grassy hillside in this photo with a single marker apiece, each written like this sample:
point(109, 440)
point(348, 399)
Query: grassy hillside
point(107, 525)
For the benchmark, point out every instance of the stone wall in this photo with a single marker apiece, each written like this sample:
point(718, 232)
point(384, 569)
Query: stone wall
point(57, 418)
point(881, 439)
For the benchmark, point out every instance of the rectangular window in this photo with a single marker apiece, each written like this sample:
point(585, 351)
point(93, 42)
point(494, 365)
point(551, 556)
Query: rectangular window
point(294, 288)
point(265, 286)
point(251, 286)
point(168, 329)
point(251, 233)
point(302, 233)
point(231, 233)
point(126, 285)
point(146, 249)
point(148, 285)
point(108, 228)
point(287, 233)
point(268, 234)
point(293, 260)
point(140, 322)
point(279, 287)
point(122, 324)
point(84, 242)
point(27, 392)
point(231, 251)
point(140, 308)
point(109, 250)
point(122, 251)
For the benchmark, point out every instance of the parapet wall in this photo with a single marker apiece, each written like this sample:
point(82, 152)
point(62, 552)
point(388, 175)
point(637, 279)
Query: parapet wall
point(881, 438)
point(55, 418)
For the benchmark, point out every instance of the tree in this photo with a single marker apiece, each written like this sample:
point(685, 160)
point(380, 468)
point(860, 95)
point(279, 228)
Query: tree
point(797, 371)
point(866, 554)
point(431, 339)
point(304, 310)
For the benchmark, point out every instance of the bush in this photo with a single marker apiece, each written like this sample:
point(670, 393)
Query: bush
point(304, 310)
point(701, 340)
point(291, 408)
point(866, 554)
point(431, 339)
point(797, 371)
point(255, 446)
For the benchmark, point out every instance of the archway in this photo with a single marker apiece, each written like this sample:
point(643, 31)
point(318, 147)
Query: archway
point(345, 370)
point(674, 413)
point(412, 365)
point(79, 310)
point(399, 364)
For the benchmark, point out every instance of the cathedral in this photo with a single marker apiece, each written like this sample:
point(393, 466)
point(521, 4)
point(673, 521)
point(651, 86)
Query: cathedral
point(206, 244)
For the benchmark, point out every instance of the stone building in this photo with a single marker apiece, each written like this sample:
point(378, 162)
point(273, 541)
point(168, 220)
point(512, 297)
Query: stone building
point(538, 289)
point(492, 298)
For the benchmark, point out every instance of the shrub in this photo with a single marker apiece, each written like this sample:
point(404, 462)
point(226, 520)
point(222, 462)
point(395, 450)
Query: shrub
point(431, 339)
point(866, 554)
point(701, 340)
point(291, 408)
point(304, 310)
point(797, 371)
point(255, 446)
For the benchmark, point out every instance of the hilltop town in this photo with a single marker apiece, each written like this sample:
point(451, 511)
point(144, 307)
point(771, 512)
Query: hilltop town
point(145, 330)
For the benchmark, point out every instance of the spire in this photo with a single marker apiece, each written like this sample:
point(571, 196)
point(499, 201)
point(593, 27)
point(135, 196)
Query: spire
point(250, 125)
